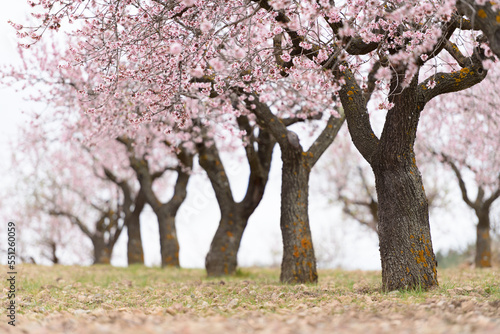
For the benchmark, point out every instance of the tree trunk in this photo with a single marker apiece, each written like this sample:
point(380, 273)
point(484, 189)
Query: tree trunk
point(135, 253)
point(299, 262)
point(483, 241)
point(406, 252)
point(169, 245)
point(404, 234)
point(102, 251)
point(222, 258)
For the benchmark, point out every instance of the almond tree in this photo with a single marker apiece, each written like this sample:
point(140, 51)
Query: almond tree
point(165, 211)
point(66, 185)
point(305, 52)
point(222, 256)
point(131, 162)
point(467, 143)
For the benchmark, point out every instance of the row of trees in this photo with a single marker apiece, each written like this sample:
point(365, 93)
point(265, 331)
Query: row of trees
point(169, 75)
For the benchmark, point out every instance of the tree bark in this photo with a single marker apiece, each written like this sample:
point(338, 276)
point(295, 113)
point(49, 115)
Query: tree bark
point(222, 256)
point(483, 241)
point(299, 261)
point(406, 252)
point(169, 245)
point(408, 260)
point(486, 19)
point(102, 251)
point(165, 212)
point(135, 253)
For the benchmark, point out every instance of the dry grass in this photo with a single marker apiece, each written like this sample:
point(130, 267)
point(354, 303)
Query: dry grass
point(142, 300)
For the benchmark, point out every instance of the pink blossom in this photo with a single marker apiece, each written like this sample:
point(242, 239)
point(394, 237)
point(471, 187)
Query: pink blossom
point(306, 45)
point(175, 48)
point(205, 26)
point(216, 64)
point(286, 57)
point(197, 72)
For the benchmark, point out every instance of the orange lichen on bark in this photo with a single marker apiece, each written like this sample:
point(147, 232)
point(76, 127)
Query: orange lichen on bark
point(296, 251)
point(427, 251)
point(485, 259)
point(229, 234)
point(306, 244)
point(481, 13)
point(421, 258)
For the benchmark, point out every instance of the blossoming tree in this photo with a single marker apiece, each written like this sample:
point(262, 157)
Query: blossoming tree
point(468, 143)
point(294, 57)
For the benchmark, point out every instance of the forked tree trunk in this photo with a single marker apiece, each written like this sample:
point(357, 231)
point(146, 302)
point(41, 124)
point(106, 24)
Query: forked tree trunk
point(406, 253)
point(165, 212)
point(299, 261)
point(483, 241)
point(169, 245)
point(222, 256)
point(408, 260)
point(481, 206)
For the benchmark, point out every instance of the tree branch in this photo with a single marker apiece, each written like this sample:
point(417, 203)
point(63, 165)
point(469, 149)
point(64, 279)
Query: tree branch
point(326, 137)
point(210, 161)
point(75, 220)
point(358, 119)
point(461, 182)
point(484, 18)
point(456, 81)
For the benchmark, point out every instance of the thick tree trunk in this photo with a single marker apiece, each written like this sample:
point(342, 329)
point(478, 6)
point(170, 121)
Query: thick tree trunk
point(102, 251)
point(169, 245)
point(299, 262)
point(406, 252)
point(404, 234)
point(222, 257)
point(483, 242)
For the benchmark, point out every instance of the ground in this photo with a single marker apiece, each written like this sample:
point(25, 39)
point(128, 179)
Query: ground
point(104, 299)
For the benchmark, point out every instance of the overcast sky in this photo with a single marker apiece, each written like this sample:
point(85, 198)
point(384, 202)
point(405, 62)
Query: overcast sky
point(354, 247)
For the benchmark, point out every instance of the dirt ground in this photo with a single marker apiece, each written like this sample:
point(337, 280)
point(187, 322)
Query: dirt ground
point(465, 304)
point(459, 315)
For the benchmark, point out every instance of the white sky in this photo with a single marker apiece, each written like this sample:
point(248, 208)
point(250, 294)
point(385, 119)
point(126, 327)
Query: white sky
point(344, 241)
